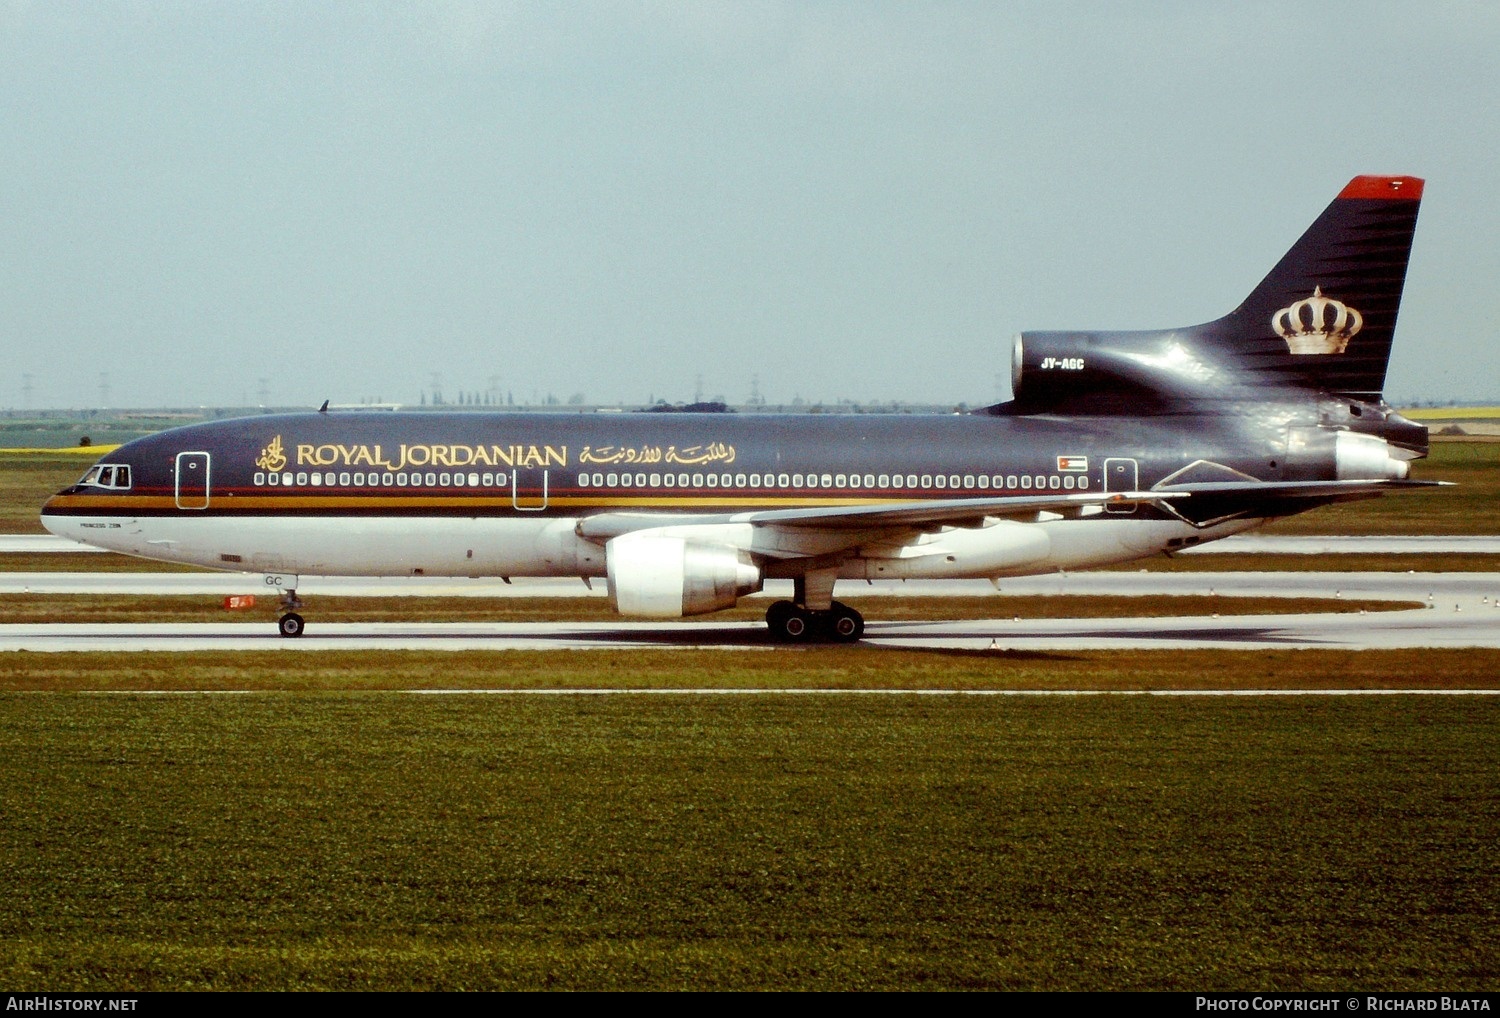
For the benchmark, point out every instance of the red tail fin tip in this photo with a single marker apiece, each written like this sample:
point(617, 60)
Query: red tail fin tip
point(1387, 188)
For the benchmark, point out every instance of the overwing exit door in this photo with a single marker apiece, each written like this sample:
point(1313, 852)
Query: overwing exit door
point(1121, 474)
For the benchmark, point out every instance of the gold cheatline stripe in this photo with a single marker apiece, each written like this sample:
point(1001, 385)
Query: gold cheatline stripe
point(118, 503)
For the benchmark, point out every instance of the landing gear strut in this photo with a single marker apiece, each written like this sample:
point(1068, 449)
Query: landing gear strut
point(795, 623)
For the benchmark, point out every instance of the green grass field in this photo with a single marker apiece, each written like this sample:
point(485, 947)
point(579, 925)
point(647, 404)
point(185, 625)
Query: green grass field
point(324, 831)
point(26, 481)
point(813, 667)
point(388, 841)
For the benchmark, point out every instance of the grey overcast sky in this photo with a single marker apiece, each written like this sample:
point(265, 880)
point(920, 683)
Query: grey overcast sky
point(847, 200)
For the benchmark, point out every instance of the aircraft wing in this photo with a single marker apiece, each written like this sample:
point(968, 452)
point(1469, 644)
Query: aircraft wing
point(949, 512)
point(887, 515)
point(1197, 502)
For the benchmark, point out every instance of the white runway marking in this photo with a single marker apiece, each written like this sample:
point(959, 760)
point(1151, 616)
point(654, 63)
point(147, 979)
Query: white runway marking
point(48, 543)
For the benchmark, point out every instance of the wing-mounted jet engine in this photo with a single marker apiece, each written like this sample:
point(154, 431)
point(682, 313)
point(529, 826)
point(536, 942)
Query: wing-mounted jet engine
point(656, 575)
point(1117, 445)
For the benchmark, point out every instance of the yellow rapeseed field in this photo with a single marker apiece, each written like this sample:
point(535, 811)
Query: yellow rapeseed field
point(1454, 413)
point(67, 450)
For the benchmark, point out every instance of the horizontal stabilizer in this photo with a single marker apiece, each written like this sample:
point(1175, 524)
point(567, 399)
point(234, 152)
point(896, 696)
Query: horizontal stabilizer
point(1298, 489)
point(1211, 501)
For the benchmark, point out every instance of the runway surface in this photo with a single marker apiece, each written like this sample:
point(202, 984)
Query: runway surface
point(1464, 612)
point(1463, 609)
point(1379, 630)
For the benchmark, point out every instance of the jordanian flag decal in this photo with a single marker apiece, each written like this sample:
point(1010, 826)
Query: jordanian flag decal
point(1078, 463)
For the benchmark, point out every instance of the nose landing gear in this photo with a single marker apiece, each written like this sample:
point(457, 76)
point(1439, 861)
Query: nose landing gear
point(290, 624)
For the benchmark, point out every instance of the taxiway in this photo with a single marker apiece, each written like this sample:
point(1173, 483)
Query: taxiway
point(1460, 610)
point(1377, 630)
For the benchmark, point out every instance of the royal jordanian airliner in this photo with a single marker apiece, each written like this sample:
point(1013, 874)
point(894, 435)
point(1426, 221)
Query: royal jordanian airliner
point(1117, 445)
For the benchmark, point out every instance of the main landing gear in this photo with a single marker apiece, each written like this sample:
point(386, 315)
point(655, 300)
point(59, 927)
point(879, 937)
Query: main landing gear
point(794, 623)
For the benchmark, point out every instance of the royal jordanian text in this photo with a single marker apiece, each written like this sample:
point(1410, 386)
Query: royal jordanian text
point(432, 455)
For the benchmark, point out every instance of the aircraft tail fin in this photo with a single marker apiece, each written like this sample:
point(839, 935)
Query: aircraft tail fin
point(1325, 316)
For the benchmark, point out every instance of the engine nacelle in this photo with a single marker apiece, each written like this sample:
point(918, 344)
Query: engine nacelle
point(1366, 457)
point(662, 577)
point(1043, 362)
point(1102, 372)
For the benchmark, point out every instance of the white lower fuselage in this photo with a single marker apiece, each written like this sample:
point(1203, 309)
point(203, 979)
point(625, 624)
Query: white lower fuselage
point(551, 547)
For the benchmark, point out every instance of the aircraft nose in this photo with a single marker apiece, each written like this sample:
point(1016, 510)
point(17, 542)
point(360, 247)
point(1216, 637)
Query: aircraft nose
point(54, 524)
point(57, 523)
point(50, 519)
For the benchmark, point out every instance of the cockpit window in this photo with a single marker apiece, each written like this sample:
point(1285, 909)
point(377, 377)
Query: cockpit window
point(107, 475)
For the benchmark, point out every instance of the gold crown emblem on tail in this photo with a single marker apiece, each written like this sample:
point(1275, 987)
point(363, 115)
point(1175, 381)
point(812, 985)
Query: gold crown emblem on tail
point(1317, 325)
